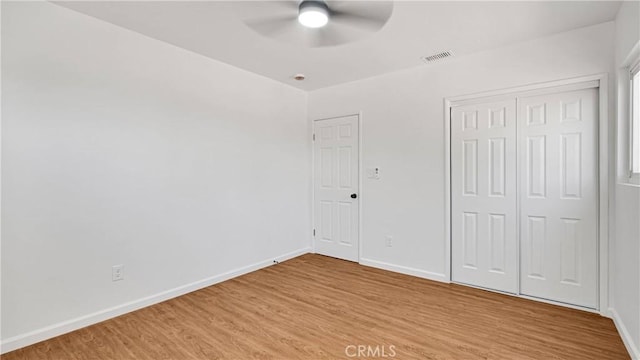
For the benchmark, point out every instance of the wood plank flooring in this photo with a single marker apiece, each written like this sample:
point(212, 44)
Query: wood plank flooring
point(316, 307)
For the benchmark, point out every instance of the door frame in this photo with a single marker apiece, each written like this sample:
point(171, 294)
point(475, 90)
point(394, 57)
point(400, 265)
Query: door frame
point(313, 179)
point(598, 81)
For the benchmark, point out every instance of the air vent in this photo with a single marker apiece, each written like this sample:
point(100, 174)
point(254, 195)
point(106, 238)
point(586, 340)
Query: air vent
point(436, 57)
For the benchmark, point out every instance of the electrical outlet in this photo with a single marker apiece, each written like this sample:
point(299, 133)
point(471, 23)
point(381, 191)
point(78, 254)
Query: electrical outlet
point(389, 240)
point(117, 272)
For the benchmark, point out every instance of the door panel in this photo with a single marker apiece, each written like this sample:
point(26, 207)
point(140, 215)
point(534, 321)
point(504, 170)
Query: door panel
point(483, 188)
point(336, 177)
point(557, 140)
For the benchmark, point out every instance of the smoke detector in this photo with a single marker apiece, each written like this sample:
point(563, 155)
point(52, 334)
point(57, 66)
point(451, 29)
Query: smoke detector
point(436, 57)
point(299, 77)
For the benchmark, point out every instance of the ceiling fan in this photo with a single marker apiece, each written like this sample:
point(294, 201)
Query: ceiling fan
point(316, 23)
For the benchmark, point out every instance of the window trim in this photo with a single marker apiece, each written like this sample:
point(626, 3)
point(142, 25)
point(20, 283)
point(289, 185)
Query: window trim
point(634, 177)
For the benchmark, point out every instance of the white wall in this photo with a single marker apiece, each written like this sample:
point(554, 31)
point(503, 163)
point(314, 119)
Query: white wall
point(403, 134)
point(120, 149)
point(625, 268)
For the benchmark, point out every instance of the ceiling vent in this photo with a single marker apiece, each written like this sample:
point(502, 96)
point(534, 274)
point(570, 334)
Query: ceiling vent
point(436, 57)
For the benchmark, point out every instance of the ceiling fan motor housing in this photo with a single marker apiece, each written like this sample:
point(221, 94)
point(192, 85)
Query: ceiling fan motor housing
point(313, 13)
point(313, 3)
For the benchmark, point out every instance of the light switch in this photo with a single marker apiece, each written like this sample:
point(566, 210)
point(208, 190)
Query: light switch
point(373, 173)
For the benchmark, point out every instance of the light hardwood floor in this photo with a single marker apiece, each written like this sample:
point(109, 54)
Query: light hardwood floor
point(315, 307)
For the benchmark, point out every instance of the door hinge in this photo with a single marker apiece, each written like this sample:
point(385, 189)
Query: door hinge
point(314, 137)
point(314, 232)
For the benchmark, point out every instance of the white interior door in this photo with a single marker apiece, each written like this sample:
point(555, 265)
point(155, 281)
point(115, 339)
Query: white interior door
point(557, 147)
point(336, 219)
point(483, 191)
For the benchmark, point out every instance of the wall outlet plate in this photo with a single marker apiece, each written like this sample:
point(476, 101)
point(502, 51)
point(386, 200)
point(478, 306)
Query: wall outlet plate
point(117, 272)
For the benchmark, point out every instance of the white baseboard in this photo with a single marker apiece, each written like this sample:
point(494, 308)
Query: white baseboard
point(64, 327)
point(405, 270)
point(628, 341)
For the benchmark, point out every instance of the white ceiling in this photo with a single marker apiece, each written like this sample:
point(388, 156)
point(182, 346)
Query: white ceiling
point(416, 28)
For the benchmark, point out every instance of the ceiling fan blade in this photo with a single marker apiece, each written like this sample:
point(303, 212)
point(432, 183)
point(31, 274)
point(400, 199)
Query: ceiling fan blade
point(357, 21)
point(367, 15)
point(290, 4)
point(320, 38)
point(271, 5)
point(331, 35)
point(272, 25)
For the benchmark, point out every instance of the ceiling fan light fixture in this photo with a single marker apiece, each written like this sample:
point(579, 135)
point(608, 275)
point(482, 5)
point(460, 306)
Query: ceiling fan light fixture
point(313, 14)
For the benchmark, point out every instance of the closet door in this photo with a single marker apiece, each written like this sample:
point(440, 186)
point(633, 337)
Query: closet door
point(557, 151)
point(483, 191)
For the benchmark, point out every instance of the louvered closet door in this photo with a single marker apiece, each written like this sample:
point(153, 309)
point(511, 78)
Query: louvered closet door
point(557, 149)
point(483, 188)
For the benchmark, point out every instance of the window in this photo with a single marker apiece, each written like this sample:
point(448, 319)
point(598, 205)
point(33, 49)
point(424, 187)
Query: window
point(635, 122)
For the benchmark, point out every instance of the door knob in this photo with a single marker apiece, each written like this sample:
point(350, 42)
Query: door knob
point(353, 196)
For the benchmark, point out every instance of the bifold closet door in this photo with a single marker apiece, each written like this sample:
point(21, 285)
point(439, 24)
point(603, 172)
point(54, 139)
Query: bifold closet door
point(557, 150)
point(483, 191)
